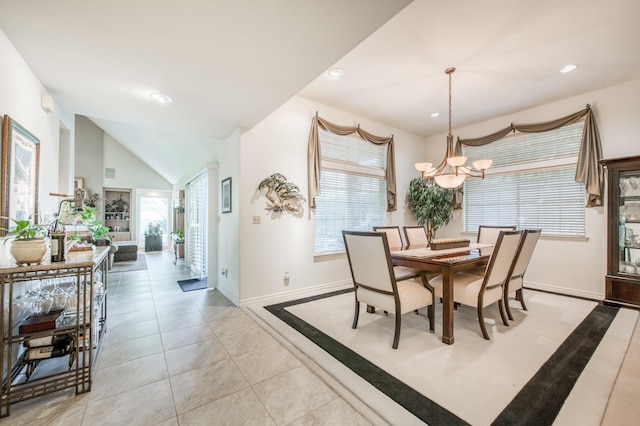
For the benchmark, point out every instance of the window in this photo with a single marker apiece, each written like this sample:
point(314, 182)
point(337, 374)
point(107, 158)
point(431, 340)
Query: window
point(196, 202)
point(531, 183)
point(353, 189)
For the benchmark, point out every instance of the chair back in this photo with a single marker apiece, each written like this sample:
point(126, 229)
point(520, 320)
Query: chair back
point(393, 235)
point(489, 234)
point(528, 244)
point(501, 263)
point(415, 235)
point(370, 260)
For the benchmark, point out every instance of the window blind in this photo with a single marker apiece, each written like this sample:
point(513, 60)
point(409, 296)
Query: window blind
point(196, 201)
point(531, 184)
point(353, 189)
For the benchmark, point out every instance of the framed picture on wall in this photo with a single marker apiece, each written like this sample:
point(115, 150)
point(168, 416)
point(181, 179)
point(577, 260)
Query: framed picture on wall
point(20, 164)
point(226, 195)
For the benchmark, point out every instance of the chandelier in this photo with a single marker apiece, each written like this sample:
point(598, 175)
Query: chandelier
point(453, 170)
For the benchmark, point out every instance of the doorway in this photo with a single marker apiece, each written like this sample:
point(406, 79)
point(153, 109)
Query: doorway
point(155, 212)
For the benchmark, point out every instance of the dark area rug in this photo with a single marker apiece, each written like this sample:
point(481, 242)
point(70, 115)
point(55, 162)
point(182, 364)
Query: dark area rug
point(193, 284)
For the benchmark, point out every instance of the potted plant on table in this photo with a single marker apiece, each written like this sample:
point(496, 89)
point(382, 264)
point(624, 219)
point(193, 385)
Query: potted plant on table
point(28, 245)
point(430, 205)
point(88, 217)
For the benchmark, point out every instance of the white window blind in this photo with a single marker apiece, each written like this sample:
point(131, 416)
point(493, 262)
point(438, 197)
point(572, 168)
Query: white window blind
point(531, 184)
point(196, 212)
point(353, 189)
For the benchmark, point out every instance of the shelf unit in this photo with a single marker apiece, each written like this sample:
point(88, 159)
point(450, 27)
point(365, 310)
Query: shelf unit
point(118, 213)
point(623, 232)
point(25, 375)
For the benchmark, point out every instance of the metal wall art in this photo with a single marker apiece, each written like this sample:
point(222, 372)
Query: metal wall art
point(283, 196)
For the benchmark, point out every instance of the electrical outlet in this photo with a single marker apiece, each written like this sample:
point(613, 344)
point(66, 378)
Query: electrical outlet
point(256, 220)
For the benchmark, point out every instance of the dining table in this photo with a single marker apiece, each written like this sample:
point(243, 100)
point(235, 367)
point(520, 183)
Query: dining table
point(447, 262)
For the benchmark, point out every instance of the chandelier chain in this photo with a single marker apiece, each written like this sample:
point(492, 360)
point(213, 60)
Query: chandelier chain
point(450, 132)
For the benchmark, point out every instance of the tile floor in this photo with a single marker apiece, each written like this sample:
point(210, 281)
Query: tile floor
point(174, 358)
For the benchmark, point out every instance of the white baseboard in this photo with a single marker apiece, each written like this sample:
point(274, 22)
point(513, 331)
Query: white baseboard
point(564, 290)
point(296, 294)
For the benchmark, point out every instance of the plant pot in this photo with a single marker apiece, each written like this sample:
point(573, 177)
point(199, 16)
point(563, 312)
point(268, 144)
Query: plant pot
point(153, 243)
point(28, 251)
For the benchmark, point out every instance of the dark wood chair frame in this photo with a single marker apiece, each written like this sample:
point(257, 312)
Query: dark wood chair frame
point(519, 293)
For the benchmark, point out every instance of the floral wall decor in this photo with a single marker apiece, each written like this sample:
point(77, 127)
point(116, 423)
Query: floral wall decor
point(283, 196)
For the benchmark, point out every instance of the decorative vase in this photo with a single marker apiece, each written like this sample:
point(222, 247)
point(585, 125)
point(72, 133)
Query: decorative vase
point(28, 251)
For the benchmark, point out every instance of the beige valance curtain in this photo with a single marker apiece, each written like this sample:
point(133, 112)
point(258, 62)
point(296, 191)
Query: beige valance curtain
point(314, 157)
point(588, 170)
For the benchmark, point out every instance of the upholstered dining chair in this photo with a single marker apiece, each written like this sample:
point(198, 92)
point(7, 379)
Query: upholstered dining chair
point(376, 283)
point(415, 235)
point(393, 235)
point(516, 281)
point(482, 291)
point(489, 234)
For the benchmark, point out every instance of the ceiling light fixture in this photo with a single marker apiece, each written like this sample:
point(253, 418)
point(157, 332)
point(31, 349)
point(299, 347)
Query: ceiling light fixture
point(160, 98)
point(336, 72)
point(452, 172)
point(434, 114)
point(568, 68)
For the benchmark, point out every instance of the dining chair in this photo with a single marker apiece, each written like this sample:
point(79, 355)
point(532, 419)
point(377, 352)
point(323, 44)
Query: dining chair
point(489, 234)
point(516, 281)
point(482, 291)
point(376, 283)
point(393, 235)
point(415, 235)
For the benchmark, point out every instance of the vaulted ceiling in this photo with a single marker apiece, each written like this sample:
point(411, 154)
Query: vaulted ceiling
point(228, 64)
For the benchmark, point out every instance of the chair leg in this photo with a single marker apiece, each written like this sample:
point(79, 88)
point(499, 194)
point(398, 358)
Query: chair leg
point(356, 314)
point(501, 304)
point(483, 328)
point(507, 308)
point(431, 313)
point(396, 334)
point(520, 298)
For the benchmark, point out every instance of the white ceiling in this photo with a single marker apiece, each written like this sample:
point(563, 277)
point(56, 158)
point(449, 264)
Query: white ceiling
point(228, 64)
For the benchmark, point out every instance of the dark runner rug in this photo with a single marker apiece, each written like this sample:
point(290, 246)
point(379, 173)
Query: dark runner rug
point(539, 402)
point(193, 284)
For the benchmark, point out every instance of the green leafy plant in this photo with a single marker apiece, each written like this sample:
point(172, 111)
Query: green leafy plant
point(25, 229)
point(178, 235)
point(95, 227)
point(430, 205)
point(153, 229)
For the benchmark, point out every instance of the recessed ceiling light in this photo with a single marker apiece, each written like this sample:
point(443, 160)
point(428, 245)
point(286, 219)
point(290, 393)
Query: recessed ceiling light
point(568, 68)
point(336, 72)
point(434, 114)
point(160, 98)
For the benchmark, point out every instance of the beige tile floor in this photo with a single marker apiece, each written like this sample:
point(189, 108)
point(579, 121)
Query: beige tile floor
point(174, 358)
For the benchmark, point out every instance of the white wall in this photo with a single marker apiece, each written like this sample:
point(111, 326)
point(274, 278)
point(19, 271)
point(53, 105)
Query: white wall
point(20, 93)
point(131, 172)
point(88, 156)
point(285, 243)
point(228, 243)
point(570, 266)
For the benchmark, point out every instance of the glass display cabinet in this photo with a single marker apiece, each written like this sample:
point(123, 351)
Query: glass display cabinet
point(623, 232)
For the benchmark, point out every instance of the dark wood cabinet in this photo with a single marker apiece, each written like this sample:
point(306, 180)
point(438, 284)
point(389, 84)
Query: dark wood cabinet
point(623, 232)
